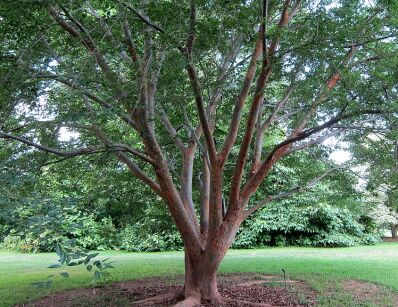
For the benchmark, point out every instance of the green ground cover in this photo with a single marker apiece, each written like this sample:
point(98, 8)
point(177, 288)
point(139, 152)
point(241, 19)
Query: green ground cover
point(321, 267)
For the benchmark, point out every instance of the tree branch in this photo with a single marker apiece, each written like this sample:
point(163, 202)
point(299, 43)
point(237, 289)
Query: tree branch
point(262, 127)
point(169, 127)
point(73, 85)
point(130, 43)
point(88, 42)
point(256, 178)
point(130, 164)
point(196, 139)
point(240, 101)
point(312, 142)
point(63, 153)
point(295, 9)
point(107, 31)
point(143, 18)
point(279, 150)
point(196, 87)
point(253, 113)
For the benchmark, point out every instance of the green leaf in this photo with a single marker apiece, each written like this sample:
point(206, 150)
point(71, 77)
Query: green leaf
point(62, 258)
point(58, 250)
point(97, 263)
point(64, 274)
point(89, 267)
point(73, 264)
point(97, 275)
point(38, 284)
point(91, 256)
point(54, 266)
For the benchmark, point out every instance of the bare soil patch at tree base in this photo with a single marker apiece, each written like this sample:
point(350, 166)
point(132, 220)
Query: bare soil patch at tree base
point(254, 288)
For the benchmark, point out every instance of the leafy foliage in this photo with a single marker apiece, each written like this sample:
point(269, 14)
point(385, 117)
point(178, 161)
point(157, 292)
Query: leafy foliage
point(39, 227)
point(94, 200)
point(70, 256)
point(134, 238)
point(100, 219)
point(289, 223)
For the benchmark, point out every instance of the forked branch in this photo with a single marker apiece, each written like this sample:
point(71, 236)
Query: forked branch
point(63, 153)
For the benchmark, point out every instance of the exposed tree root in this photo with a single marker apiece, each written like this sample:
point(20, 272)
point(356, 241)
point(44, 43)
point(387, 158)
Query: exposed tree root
point(194, 301)
point(220, 301)
point(226, 300)
point(177, 294)
point(189, 302)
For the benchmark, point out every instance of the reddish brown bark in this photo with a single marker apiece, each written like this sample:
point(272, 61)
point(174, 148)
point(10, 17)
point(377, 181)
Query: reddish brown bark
point(206, 241)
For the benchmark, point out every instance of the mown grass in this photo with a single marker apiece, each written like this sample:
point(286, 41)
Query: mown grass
point(323, 268)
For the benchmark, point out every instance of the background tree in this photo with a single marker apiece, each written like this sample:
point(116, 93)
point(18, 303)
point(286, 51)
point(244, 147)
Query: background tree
point(186, 99)
point(378, 153)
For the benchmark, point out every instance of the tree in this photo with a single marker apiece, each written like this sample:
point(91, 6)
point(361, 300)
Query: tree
point(186, 99)
point(379, 151)
point(383, 215)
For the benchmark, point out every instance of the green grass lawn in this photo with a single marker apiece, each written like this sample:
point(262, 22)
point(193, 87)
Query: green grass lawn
point(320, 267)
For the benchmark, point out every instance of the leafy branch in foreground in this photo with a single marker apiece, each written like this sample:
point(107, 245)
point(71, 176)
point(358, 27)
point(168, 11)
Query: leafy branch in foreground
point(69, 257)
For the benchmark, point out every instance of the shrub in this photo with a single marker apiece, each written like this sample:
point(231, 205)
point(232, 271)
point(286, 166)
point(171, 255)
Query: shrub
point(92, 235)
point(40, 226)
point(17, 243)
point(282, 224)
point(133, 238)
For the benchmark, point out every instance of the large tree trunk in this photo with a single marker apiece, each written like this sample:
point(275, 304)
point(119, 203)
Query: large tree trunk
point(201, 270)
point(394, 231)
point(200, 281)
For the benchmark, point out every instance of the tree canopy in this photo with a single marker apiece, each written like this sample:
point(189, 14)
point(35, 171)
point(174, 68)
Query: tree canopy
point(199, 100)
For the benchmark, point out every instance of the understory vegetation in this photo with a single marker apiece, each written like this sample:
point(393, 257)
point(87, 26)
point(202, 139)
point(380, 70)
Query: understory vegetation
point(278, 225)
point(71, 206)
point(314, 218)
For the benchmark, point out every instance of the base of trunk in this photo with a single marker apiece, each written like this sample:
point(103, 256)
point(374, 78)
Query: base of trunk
point(195, 301)
point(222, 301)
point(175, 295)
point(189, 302)
point(201, 288)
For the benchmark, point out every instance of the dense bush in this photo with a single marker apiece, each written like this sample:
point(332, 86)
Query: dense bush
point(287, 223)
point(155, 231)
point(132, 238)
point(36, 223)
point(38, 226)
point(18, 243)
